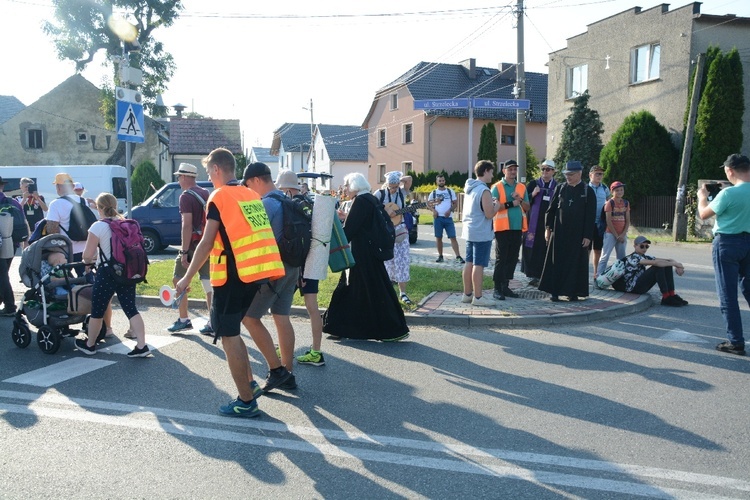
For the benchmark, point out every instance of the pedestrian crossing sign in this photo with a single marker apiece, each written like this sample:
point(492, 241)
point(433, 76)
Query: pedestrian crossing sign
point(130, 124)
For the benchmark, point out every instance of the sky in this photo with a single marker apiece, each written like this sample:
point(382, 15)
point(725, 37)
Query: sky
point(264, 62)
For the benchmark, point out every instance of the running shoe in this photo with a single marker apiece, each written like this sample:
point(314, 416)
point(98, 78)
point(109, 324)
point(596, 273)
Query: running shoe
point(290, 384)
point(139, 353)
point(460, 260)
point(439, 259)
point(239, 408)
point(179, 326)
point(255, 387)
point(406, 300)
point(207, 330)
point(84, 348)
point(314, 358)
point(275, 378)
point(731, 348)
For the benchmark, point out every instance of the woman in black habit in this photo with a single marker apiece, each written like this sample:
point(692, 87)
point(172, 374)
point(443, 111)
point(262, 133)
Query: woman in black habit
point(569, 231)
point(364, 305)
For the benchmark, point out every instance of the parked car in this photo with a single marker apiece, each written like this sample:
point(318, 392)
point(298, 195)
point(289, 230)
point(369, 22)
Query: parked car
point(159, 216)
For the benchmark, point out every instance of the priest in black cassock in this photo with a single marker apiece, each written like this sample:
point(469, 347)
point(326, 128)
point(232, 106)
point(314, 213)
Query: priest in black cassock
point(569, 230)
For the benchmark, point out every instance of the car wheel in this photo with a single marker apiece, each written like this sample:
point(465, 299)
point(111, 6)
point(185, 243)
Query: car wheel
point(151, 242)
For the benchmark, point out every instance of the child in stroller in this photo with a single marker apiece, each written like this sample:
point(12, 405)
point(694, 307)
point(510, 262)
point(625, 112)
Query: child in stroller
point(55, 299)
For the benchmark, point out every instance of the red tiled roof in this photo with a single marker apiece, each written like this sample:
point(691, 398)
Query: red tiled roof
point(201, 136)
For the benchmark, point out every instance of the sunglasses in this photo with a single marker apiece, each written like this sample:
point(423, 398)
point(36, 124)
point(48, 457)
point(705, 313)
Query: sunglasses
point(644, 247)
point(548, 169)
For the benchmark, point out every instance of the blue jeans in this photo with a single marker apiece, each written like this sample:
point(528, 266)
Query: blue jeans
point(731, 256)
point(610, 243)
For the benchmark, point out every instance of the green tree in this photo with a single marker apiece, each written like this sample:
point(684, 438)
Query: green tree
point(82, 29)
point(488, 143)
point(532, 164)
point(144, 176)
point(581, 138)
point(241, 162)
point(642, 156)
point(718, 127)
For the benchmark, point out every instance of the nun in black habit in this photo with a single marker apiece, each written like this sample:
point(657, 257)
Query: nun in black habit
point(569, 230)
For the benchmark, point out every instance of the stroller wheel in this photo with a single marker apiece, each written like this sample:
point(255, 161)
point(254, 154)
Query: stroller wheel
point(21, 333)
point(49, 340)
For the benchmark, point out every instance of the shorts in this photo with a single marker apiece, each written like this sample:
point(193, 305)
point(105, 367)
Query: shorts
point(440, 223)
point(179, 270)
point(598, 241)
point(228, 307)
point(275, 295)
point(307, 286)
point(478, 252)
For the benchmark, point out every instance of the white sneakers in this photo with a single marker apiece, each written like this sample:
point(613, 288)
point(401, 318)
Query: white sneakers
point(466, 299)
point(483, 302)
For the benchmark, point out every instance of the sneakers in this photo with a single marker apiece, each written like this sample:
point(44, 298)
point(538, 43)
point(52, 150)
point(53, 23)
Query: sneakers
point(731, 348)
point(139, 353)
point(460, 260)
point(406, 300)
point(255, 387)
point(275, 378)
point(314, 358)
point(129, 335)
point(290, 384)
point(673, 301)
point(397, 339)
point(466, 299)
point(206, 330)
point(508, 292)
point(483, 302)
point(498, 295)
point(81, 345)
point(278, 352)
point(681, 300)
point(7, 312)
point(238, 408)
point(439, 259)
point(179, 326)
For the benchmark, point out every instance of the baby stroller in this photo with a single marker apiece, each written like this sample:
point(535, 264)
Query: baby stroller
point(51, 305)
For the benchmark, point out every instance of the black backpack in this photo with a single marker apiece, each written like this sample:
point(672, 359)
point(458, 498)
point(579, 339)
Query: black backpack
point(81, 218)
point(382, 233)
point(20, 227)
point(294, 242)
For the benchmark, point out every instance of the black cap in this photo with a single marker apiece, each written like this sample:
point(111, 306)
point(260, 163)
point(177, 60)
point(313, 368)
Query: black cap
point(256, 170)
point(736, 160)
point(509, 163)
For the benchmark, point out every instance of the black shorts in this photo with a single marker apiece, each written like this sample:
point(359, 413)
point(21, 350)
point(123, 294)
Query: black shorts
point(598, 242)
point(228, 307)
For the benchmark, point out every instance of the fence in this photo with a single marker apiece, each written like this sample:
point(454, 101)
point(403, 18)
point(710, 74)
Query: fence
point(653, 211)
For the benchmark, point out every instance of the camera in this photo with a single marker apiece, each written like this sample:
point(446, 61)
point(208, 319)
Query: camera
point(713, 189)
point(32, 188)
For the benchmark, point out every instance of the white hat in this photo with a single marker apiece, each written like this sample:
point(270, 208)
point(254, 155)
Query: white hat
point(287, 180)
point(548, 163)
point(187, 169)
point(77, 185)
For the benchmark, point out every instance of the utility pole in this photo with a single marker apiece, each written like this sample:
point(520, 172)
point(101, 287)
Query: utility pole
point(520, 94)
point(679, 225)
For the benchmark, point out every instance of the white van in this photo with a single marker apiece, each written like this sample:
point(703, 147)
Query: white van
point(96, 179)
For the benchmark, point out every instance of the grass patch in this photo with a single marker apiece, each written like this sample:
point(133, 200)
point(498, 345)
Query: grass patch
point(658, 235)
point(424, 281)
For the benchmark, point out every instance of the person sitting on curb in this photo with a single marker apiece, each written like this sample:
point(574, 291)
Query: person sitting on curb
point(638, 279)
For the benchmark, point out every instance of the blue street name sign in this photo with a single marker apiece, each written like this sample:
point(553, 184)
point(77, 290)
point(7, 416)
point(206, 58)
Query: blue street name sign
point(461, 103)
point(485, 102)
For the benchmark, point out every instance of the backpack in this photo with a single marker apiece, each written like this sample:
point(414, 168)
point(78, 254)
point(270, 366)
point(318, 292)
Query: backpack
point(382, 233)
point(197, 233)
point(294, 242)
point(127, 262)
point(81, 218)
point(611, 274)
point(602, 225)
point(20, 227)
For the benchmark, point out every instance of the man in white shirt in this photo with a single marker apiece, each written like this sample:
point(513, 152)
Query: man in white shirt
point(58, 213)
point(443, 218)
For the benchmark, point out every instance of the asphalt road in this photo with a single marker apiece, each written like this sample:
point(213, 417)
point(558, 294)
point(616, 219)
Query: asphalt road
point(638, 407)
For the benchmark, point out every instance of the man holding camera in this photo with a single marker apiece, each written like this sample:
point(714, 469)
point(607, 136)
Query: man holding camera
point(731, 246)
point(32, 202)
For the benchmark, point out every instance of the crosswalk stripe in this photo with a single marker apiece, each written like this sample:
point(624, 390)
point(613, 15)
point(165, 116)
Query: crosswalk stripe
point(59, 372)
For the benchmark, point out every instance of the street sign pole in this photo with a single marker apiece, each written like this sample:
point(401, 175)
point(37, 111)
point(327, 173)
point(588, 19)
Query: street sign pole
point(471, 137)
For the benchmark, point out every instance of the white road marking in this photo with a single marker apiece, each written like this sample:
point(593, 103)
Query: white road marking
point(678, 335)
point(460, 458)
point(154, 342)
point(59, 372)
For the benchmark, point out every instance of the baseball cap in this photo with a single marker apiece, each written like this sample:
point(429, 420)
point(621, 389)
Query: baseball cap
point(510, 163)
point(548, 163)
point(597, 168)
point(63, 179)
point(616, 185)
point(256, 170)
point(639, 240)
point(736, 160)
point(77, 185)
point(187, 169)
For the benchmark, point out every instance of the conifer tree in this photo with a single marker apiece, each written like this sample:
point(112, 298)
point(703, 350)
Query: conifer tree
point(488, 143)
point(581, 138)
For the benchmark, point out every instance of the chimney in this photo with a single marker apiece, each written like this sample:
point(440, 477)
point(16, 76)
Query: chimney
point(508, 70)
point(470, 67)
point(179, 108)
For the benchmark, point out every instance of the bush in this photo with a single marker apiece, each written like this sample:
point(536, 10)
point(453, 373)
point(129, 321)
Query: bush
point(642, 156)
point(429, 179)
point(144, 175)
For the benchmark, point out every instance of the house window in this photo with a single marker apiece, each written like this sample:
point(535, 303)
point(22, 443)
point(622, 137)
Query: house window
point(578, 81)
point(381, 138)
point(644, 63)
point(407, 129)
point(508, 135)
point(406, 166)
point(381, 172)
point(34, 138)
point(394, 101)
